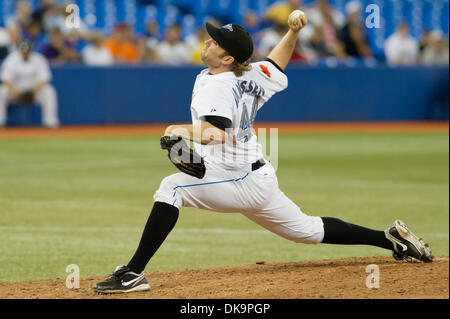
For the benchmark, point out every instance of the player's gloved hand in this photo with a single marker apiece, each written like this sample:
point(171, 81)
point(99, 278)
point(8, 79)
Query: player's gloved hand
point(183, 157)
point(26, 97)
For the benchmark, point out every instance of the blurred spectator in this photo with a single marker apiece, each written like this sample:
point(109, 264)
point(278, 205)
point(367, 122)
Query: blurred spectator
point(39, 13)
point(424, 40)
point(152, 30)
point(172, 50)
point(270, 38)
point(279, 11)
point(4, 43)
point(436, 51)
point(14, 32)
point(196, 41)
point(330, 20)
point(54, 18)
point(23, 14)
point(352, 35)
point(401, 47)
point(318, 44)
point(252, 23)
point(148, 44)
point(16, 23)
point(33, 33)
point(26, 79)
point(322, 12)
point(76, 40)
point(58, 49)
point(197, 45)
point(96, 53)
point(121, 45)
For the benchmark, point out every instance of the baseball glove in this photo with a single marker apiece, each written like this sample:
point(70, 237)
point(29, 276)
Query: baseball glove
point(26, 97)
point(183, 157)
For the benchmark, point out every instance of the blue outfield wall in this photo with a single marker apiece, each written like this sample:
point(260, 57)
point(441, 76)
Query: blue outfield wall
point(155, 94)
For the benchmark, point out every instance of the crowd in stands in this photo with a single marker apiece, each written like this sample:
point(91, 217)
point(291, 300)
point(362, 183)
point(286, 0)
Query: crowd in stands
point(330, 34)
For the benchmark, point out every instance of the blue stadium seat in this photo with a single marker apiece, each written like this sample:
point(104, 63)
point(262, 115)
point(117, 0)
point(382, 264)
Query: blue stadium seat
point(201, 20)
point(110, 15)
point(87, 11)
point(338, 4)
point(189, 25)
point(223, 10)
point(2, 23)
point(167, 16)
point(130, 12)
point(8, 7)
point(100, 14)
point(140, 19)
point(201, 7)
point(185, 6)
point(445, 17)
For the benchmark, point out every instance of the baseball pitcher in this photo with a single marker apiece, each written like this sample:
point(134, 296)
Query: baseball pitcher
point(226, 170)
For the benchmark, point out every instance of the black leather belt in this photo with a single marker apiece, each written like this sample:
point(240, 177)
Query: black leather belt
point(258, 164)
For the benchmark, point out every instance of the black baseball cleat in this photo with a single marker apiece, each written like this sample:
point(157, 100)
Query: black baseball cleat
point(406, 244)
point(122, 280)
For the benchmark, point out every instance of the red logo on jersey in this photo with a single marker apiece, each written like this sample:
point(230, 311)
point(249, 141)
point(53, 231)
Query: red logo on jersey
point(265, 70)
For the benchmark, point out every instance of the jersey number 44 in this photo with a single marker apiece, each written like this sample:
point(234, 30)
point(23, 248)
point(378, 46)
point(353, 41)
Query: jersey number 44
point(247, 120)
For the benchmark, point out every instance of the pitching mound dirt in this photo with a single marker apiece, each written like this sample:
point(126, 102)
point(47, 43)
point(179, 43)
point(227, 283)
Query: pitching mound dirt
point(341, 278)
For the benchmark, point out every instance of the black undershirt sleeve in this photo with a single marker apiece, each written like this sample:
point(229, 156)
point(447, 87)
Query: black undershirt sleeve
point(218, 121)
point(274, 64)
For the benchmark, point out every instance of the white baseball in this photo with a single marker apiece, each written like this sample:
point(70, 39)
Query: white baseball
point(294, 15)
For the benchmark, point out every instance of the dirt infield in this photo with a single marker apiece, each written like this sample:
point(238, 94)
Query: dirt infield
point(329, 279)
point(158, 129)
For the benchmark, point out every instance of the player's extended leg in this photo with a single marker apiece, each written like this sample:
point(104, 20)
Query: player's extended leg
point(397, 238)
point(47, 98)
point(287, 220)
point(281, 216)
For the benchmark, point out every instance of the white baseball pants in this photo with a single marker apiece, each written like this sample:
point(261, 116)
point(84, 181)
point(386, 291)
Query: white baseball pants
point(255, 194)
point(46, 98)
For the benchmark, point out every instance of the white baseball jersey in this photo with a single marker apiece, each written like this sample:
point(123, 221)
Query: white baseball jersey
point(230, 184)
point(237, 99)
point(25, 74)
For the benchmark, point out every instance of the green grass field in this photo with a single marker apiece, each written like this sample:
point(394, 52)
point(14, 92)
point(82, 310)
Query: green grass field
point(85, 201)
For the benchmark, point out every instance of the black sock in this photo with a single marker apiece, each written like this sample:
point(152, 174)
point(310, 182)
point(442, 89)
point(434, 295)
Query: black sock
point(340, 232)
point(161, 221)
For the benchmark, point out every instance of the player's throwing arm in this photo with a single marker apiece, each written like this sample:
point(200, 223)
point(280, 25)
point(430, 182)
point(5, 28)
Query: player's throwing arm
point(282, 53)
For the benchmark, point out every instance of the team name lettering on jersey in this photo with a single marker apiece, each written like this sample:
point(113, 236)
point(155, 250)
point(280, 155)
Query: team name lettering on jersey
point(251, 87)
point(248, 87)
point(237, 94)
